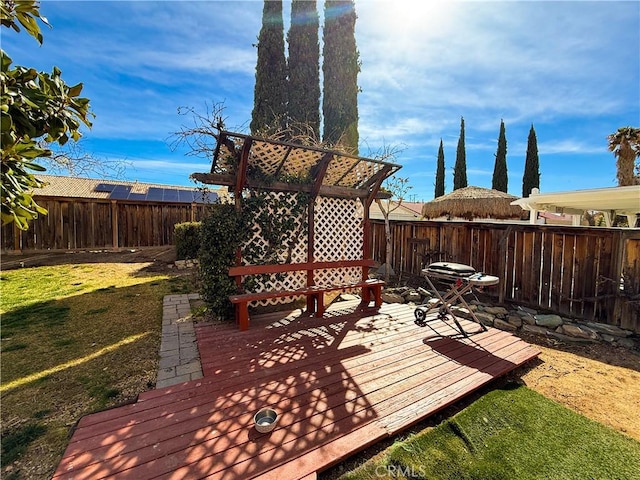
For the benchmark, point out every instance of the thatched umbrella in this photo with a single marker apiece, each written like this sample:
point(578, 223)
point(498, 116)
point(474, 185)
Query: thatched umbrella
point(473, 202)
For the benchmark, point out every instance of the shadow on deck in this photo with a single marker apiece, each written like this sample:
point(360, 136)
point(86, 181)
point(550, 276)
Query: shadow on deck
point(339, 383)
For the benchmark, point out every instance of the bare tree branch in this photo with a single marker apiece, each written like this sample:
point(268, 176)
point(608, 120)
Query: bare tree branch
point(75, 161)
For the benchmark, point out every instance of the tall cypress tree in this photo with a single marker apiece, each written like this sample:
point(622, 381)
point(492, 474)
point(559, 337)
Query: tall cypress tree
point(531, 176)
point(270, 94)
point(440, 172)
point(460, 169)
point(340, 69)
point(500, 179)
point(304, 67)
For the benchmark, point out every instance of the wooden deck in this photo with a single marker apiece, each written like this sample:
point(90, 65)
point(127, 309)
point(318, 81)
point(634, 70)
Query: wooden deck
point(340, 383)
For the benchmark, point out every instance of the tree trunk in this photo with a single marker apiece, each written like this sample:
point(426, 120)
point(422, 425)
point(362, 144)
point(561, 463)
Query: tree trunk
point(387, 259)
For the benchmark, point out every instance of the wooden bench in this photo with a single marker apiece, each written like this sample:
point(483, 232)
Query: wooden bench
point(371, 288)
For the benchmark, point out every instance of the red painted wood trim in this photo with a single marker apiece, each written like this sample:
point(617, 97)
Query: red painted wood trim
point(293, 267)
point(241, 298)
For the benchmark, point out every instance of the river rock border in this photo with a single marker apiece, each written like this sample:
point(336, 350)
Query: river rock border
point(517, 318)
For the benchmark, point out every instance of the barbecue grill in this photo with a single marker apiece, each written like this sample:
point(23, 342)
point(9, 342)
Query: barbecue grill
point(461, 280)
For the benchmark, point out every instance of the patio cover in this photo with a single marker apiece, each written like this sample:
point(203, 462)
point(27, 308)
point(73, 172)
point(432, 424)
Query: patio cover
point(611, 201)
point(242, 161)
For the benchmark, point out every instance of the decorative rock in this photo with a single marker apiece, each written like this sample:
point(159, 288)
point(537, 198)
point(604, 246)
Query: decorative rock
point(424, 292)
point(608, 338)
point(534, 329)
point(550, 321)
point(389, 297)
point(502, 325)
point(577, 331)
point(414, 297)
point(496, 310)
point(526, 311)
point(433, 302)
point(461, 312)
point(626, 343)
point(485, 318)
point(382, 270)
point(528, 318)
point(514, 320)
point(609, 329)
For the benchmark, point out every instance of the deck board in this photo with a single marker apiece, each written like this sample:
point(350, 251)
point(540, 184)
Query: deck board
point(340, 383)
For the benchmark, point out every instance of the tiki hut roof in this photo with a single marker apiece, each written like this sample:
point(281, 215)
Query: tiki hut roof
point(473, 202)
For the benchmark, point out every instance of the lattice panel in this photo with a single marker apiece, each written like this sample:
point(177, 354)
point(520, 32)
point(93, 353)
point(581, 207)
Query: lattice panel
point(362, 172)
point(338, 236)
point(300, 161)
point(284, 281)
point(268, 157)
point(338, 169)
point(227, 161)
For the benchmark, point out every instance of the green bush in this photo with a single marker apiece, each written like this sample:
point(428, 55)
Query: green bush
point(223, 230)
point(186, 237)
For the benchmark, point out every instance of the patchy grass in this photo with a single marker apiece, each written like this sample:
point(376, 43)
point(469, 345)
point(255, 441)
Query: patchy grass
point(511, 434)
point(74, 339)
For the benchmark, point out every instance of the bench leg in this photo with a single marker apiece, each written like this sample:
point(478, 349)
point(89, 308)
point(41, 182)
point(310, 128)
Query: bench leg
point(377, 295)
point(315, 303)
point(242, 315)
point(374, 291)
point(319, 304)
point(311, 303)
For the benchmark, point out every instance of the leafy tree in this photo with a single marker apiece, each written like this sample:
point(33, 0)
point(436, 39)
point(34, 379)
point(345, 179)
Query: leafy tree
point(531, 176)
point(270, 94)
point(340, 69)
point(500, 168)
point(398, 187)
point(37, 109)
point(625, 145)
point(460, 169)
point(440, 172)
point(304, 68)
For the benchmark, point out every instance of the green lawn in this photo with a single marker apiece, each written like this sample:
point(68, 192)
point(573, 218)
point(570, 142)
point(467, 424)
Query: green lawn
point(510, 434)
point(74, 339)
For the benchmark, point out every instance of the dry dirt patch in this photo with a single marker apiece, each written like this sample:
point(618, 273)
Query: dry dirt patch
point(598, 381)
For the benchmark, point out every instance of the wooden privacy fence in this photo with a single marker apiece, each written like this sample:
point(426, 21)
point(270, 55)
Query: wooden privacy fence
point(78, 223)
point(581, 272)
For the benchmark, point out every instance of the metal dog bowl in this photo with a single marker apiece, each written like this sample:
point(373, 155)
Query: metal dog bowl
point(265, 420)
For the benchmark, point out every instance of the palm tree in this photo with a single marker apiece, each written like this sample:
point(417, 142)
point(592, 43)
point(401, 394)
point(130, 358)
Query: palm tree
point(625, 145)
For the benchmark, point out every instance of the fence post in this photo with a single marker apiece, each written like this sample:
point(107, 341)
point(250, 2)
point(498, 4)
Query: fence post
point(502, 263)
point(114, 224)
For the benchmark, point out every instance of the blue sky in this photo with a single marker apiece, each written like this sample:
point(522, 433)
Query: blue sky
point(570, 68)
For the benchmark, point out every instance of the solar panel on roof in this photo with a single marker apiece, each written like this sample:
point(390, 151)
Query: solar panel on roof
point(105, 187)
point(120, 192)
point(186, 196)
point(206, 197)
point(137, 196)
point(155, 194)
point(170, 195)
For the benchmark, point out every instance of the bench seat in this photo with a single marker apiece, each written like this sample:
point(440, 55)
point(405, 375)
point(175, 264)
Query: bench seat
point(371, 291)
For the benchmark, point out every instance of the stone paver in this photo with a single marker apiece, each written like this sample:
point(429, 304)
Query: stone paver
point(179, 357)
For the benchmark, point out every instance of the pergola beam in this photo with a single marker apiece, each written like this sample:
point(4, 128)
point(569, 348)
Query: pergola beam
point(324, 190)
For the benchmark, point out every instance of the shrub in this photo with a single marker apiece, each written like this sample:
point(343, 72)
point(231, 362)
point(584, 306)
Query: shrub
point(186, 237)
point(222, 232)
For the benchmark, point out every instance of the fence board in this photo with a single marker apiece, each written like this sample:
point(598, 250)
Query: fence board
point(74, 223)
point(568, 270)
